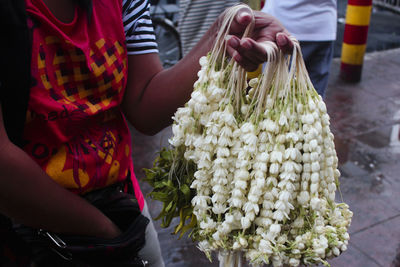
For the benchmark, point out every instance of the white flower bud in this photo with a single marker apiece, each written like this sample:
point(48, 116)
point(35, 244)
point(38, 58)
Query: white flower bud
point(319, 229)
point(241, 184)
point(300, 108)
point(203, 61)
point(315, 203)
point(244, 109)
point(315, 177)
point(303, 197)
point(306, 147)
point(262, 157)
point(315, 167)
point(242, 174)
point(311, 104)
point(307, 167)
point(314, 156)
point(275, 228)
point(306, 157)
point(253, 198)
point(321, 106)
point(260, 183)
point(253, 82)
point(282, 120)
point(243, 242)
point(265, 247)
point(236, 202)
point(306, 176)
point(218, 198)
point(304, 185)
point(216, 236)
point(236, 245)
point(309, 119)
point(294, 262)
point(281, 139)
point(313, 188)
point(346, 236)
point(332, 187)
point(247, 127)
point(272, 181)
point(279, 215)
point(276, 156)
point(313, 144)
point(336, 251)
point(218, 208)
point(284, 196)
point(245, 222)
point(274, 168)
point(260, 166)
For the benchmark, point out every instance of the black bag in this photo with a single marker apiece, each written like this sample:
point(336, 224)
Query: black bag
point(50, 249)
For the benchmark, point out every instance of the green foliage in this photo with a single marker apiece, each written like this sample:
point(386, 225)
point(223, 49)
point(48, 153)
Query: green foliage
point(171, 177)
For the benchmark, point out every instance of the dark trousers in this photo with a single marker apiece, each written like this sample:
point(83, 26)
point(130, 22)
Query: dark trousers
point(318, 58)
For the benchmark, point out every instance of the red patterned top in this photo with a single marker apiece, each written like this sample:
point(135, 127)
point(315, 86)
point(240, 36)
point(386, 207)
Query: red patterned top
point(75, 128)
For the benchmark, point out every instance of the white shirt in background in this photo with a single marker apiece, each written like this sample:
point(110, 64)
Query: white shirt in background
point(307, 20)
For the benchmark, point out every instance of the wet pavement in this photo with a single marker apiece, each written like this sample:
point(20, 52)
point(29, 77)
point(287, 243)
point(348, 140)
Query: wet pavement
point(365, 120)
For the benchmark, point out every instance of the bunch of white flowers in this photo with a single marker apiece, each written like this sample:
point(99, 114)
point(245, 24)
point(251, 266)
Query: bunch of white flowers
point(266, 162)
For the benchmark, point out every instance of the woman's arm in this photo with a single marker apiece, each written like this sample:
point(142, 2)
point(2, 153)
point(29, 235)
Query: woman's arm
point(32, 198)
point(153, 94)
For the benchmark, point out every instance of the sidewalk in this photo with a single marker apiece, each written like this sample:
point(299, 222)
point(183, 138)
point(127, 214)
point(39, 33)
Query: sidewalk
point(365, 119)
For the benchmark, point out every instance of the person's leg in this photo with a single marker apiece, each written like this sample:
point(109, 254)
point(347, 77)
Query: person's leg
point(151, 251)
point(318, 57)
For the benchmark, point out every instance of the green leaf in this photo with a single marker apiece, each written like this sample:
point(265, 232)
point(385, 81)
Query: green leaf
point(186, 192)
point(161, 196)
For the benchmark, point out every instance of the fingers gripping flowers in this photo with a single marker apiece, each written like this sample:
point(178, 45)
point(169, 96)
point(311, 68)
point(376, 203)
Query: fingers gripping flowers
point(265, 163)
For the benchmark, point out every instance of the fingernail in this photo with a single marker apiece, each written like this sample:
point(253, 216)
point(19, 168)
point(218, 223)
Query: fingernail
point(233, 42)
point(244, 17)
point(280, 39)
point(246, 44)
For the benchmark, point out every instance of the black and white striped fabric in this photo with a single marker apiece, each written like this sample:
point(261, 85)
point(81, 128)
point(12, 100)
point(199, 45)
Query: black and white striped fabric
point(139, 32)
point(196, 16)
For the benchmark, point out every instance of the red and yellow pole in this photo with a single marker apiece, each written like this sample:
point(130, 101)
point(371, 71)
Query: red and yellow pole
point(358, 16)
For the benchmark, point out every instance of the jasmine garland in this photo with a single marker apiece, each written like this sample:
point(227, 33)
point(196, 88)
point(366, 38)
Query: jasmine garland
point(265, 163)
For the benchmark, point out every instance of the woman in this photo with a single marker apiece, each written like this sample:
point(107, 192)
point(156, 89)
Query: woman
point(93, 65)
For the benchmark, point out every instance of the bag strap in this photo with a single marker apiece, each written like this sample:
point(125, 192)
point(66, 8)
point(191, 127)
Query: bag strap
point(15, 75)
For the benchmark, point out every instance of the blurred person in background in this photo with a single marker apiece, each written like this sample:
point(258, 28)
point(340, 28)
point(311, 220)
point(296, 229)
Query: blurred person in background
point(196, 16)
point(313, 23)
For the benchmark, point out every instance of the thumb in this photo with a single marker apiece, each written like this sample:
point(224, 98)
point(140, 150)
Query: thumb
point(242, 19)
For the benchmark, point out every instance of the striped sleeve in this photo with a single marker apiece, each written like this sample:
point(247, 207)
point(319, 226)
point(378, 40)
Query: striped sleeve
point(139, 32)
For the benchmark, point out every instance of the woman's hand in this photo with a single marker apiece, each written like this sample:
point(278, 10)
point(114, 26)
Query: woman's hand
point(250, 52)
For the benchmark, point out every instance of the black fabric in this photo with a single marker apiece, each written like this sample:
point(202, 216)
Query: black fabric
point(15, 77)
point(122, 208)
point(87, 5)
point(13, 250)
point(15, 81)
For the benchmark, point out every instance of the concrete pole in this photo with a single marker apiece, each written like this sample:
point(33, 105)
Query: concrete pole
point(358, 16)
